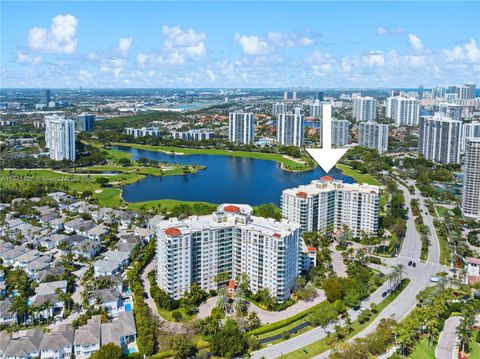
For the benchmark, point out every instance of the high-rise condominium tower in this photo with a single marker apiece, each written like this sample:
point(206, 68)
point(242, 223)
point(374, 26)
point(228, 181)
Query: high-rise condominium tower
point(364, 109)
point(471, 180)
point(403, 110)
point(439, 139)
point(373, 135)
point(60, 137)
point(290, 128)
point(241, 127)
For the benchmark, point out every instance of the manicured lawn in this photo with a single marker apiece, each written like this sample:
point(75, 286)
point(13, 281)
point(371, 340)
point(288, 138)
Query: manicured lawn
point(109, 197)
point(193, 151)
point(441, 210)
point(356, 175)
point(475, 349)
point(423, 351)
point(167, 204)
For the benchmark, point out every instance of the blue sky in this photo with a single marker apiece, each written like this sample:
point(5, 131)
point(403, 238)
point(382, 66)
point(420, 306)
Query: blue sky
point(239, 44)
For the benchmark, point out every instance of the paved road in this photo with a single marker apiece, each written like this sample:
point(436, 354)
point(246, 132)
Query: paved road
point(399, 308)
point(448, 339)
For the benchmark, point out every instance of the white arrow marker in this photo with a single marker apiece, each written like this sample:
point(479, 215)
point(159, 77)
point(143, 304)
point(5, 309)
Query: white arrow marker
point(327, 157)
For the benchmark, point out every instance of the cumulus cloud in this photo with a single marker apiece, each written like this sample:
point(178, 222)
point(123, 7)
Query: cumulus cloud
point(415, 43)
point(179, 46)
point(85, 76)
point(465, 52)
point(256, 46)
point(23, 58)
point(253, 45)
point(59, 38)
point(389, 31)
point(124, 45)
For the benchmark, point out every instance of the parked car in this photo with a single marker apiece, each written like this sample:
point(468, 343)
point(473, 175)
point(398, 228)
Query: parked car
point(410, 263)
point(384, 294)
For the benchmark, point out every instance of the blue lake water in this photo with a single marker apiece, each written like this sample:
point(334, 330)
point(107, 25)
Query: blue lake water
point(225, 180)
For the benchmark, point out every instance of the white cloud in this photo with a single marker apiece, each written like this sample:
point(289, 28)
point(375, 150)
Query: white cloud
point(256, 46)
point(468, 52)
point(179, 46)
point(283, 40)
point(24, 58)
point(176, 37)
point(389, 31)
point(59, 38)
point(253, 45)
point(415, 43)
point(124, 45)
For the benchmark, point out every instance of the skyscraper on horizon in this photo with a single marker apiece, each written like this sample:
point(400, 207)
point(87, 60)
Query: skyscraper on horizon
point(86, 122)
point(241, 126)
point(45, 97)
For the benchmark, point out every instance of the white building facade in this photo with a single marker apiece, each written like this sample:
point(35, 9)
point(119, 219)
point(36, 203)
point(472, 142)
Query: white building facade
point(278, 108)
point(228, 242)
point(439, 139)
point(328, 202)
point(471, 179)
point(403, 110)
point(60, 138)
point(241, 126)
point(373, 135)
point(291, 128)
point(364, 108)
point(142, 132)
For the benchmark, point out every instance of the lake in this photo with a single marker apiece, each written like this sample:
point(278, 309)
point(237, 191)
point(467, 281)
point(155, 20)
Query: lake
point(225, 180)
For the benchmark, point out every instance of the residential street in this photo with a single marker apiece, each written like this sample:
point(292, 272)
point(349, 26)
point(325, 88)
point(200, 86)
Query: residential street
point(448, 339)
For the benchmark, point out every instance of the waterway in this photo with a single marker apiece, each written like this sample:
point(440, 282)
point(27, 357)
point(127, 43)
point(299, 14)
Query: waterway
point(226, 179)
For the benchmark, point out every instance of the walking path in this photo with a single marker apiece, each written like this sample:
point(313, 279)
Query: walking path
point(266, 316)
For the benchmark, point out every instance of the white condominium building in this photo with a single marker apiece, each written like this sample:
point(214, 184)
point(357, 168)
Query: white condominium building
point(439, 139)
point(278, 108)
point(373, 135)
point(241, 127)
point(192, 135)
point(340, 133)
point(364, 109)
point(144, 131)
point(403, 110)
point(228, 242)
point(469, 130)
point(471, 179)
point(60, 138)
point(328, 202)
point(291, 128)
point(316, 109)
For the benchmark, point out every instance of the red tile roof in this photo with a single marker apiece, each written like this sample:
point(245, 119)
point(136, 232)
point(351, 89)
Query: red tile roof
point(326, 178)
point(471, 279)
point(232, 209)
point(278, 235)
point(312, 249)
point(172, 232)
point(473, 260)
point(231, 284)
point(302, 194)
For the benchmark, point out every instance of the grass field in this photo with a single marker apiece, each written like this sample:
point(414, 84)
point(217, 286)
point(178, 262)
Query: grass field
point(356, 175)
point(194, 151)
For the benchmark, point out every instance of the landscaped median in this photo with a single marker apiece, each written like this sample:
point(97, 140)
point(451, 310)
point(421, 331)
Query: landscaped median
point(326, 343)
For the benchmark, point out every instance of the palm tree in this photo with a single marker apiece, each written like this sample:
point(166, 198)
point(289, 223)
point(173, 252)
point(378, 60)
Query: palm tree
point(222, 300)
point(240, 305)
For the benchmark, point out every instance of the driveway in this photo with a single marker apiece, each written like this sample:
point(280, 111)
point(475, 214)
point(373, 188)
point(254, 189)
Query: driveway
point(271, 317)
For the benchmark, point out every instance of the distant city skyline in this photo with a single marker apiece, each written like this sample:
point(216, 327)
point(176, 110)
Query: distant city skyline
point(230, 44)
